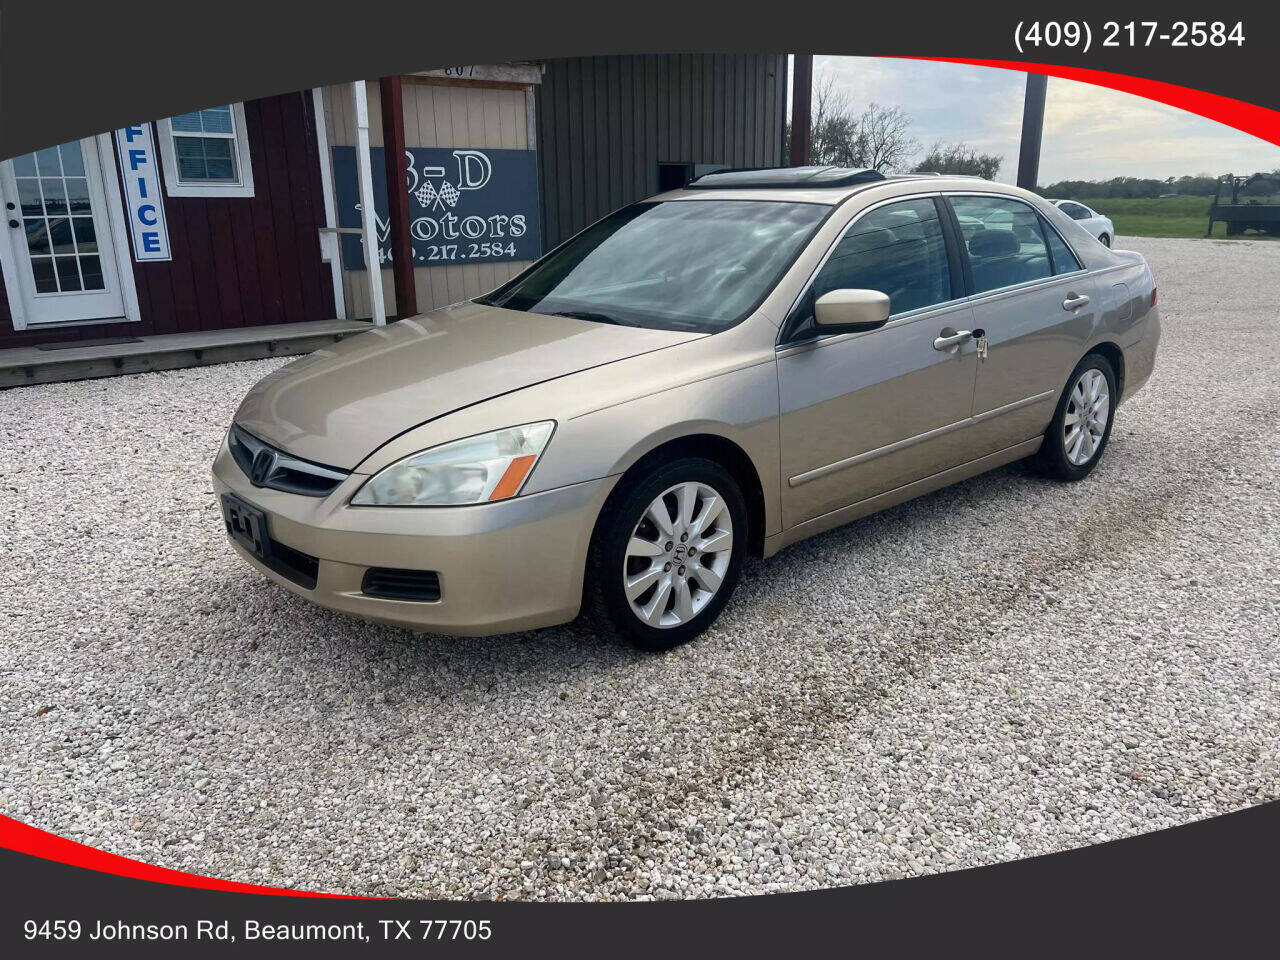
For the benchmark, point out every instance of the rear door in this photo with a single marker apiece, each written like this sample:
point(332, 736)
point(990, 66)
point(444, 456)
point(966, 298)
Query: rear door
point(865, 413)
point(1037, 308)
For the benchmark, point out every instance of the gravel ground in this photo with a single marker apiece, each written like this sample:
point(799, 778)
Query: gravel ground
point(1006, 668)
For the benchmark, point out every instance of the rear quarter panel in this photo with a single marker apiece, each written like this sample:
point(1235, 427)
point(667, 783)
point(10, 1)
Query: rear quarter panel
point(1129, 319)
point(1122, 285)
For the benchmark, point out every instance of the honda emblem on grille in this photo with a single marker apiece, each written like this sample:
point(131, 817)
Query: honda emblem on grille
point(264, 462)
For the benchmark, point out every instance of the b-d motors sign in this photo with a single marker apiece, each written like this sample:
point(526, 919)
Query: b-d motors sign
point(465, 205)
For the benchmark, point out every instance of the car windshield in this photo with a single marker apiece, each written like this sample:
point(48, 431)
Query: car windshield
point(697, 265)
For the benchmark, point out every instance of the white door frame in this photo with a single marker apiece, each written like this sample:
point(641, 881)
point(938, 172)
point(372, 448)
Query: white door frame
point(106, 157)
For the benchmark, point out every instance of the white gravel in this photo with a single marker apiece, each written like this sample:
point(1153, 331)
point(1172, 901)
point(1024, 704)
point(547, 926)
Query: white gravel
point(1006, 668)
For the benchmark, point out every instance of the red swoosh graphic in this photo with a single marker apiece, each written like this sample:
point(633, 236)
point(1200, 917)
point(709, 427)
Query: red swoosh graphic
point(1247, 117)
point(22, 838)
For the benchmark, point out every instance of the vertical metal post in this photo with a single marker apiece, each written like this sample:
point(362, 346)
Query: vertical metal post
point(801, 108)
point(1032, 131)
point(368, 214)
point(397, 195)
point(330, 244)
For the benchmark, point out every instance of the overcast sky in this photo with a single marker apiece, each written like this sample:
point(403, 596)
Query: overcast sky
point(1091, 133)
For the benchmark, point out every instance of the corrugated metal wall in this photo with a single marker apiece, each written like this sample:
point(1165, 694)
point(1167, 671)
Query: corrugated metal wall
point(605, 123)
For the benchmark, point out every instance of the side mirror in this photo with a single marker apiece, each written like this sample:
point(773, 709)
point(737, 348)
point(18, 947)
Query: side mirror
point(851, 311)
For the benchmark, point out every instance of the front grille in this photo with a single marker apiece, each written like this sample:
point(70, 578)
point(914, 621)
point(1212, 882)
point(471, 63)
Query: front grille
point(279, 470)
point(420, 585)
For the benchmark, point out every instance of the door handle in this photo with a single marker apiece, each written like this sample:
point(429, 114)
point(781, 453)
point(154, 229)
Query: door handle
point(953, 339)
point(1075, 303)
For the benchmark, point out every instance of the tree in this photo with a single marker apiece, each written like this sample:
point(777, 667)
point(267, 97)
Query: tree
point(882, 134)
point(959, 159)
point(877, 138)
point(834, 130)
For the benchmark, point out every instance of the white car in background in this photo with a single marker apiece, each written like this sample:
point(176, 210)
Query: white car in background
point(1098, 225)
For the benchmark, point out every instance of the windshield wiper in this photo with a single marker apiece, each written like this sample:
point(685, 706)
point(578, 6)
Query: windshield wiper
point(593, 317)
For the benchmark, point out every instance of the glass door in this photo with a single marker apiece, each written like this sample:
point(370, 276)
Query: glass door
point(60, 235)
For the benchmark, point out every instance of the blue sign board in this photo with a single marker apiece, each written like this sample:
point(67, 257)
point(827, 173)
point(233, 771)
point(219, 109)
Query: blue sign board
point(465, 205)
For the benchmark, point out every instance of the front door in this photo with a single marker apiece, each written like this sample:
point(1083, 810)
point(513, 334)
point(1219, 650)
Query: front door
point(64, 254)
point(862, 414)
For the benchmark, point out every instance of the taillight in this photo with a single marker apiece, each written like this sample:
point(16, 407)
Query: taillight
point(1154, 291)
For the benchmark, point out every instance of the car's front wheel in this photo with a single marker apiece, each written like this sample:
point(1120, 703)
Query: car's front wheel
point(666, 553)
point(1105, 240)
point(1081, 425)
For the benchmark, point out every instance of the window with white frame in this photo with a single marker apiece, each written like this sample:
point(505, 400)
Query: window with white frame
point(206, 153)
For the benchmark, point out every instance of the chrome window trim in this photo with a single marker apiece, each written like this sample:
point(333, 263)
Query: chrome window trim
point(779, 344)
point(1001, 292)
point(789, 347)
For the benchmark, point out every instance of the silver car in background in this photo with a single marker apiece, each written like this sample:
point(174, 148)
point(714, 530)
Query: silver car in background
point(719, 371)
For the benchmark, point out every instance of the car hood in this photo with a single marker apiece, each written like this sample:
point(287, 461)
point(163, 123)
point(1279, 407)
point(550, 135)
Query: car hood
point(341, 403)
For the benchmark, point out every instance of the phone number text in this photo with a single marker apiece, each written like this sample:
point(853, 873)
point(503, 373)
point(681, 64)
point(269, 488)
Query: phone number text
point(1079, 34)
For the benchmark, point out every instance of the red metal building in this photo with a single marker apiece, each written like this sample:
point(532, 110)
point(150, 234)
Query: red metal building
point(240, 230)
point(238, 258)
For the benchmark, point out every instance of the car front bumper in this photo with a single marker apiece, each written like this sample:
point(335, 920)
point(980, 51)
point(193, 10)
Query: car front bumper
point(513, 565)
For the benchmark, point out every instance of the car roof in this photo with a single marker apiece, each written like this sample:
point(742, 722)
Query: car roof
point(773, 185)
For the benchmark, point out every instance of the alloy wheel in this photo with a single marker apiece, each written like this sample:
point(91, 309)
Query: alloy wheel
point(1085, 421)
point(677, 555)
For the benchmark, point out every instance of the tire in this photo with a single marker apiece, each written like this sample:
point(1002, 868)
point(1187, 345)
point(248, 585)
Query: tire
point(1062, 459)
point(1105, 240)
point(682, 610)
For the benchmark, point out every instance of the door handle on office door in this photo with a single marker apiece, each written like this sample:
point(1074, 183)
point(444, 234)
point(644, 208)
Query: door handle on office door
point(1075, 303)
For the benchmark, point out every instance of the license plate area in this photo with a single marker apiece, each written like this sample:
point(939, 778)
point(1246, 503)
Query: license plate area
point(247, 525)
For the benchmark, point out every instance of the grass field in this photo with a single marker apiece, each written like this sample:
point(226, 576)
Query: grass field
point(1163, 217)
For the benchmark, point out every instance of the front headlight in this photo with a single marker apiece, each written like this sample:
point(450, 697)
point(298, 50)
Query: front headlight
point(491, 466)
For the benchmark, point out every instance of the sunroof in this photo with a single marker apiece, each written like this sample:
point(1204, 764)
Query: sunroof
point(787, 177)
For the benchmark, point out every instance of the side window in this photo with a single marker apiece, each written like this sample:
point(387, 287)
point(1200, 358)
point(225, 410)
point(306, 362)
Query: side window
point(1075, 211)
point(1004, 241)
point(1064, 260)
point(897, 249)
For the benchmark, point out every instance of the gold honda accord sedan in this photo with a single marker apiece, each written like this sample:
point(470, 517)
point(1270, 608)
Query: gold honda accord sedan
point(718, 371)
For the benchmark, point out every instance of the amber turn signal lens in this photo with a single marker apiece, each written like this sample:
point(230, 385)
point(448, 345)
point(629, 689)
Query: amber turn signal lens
point(515, 473)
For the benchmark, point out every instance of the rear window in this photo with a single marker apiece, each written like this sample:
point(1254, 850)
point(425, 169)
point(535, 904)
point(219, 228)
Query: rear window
point(1064, 259)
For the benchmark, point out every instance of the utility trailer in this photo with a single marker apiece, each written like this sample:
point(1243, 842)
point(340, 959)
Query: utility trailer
point(1247, 203)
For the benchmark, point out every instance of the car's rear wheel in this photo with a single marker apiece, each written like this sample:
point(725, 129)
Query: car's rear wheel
point(1105, 240)
point(666, 553)
point(1081, 425)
